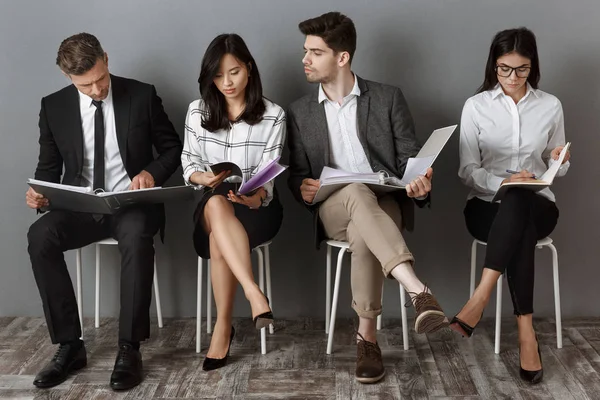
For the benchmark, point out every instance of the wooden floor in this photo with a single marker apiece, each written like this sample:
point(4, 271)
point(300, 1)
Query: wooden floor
point(437, 366)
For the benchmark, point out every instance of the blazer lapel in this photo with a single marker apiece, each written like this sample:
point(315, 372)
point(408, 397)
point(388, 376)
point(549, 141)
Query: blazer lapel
point(72, 121)
point(320, 133)
point(122, 105)
point(362, 115)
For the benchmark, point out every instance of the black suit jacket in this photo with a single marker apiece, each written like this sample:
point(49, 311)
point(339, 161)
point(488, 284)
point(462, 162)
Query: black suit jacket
point(385, 130)
point(141, 124)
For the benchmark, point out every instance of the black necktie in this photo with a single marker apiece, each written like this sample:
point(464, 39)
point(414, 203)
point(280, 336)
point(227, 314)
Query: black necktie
point(98, 146)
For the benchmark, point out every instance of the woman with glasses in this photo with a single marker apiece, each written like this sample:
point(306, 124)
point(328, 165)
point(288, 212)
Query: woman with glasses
point(510, 132)
point(232, 122)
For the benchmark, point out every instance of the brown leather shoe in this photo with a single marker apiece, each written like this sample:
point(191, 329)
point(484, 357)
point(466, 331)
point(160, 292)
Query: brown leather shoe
point(429, 314)
point(369, 364)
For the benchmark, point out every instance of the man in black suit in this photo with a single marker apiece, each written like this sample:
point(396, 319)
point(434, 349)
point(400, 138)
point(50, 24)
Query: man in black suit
point(102, 129)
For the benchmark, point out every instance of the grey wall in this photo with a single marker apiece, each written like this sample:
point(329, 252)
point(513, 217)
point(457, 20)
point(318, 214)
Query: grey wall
point(434, 50)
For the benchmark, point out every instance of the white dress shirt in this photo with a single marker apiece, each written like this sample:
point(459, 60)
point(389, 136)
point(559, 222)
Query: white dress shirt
point(496, 134)
point(346, 151)
point(251, 147)
point(116, 177)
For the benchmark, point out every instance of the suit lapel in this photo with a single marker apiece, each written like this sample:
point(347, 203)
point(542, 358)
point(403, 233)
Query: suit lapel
point(122, 105)
point(362, 115)
point(320, 133)
point(72, 121)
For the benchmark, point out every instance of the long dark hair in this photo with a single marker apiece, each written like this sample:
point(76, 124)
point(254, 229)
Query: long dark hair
point(521, 41)
point(229, 43)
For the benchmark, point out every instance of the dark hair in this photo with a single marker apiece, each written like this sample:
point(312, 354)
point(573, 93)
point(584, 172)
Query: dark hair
point(229, 43)
point(79, 53)
point(521, 41)
point(335, 29)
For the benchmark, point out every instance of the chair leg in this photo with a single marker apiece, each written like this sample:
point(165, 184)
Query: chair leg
point(157, 297)
point(404, 318)
point(268, 276)
point(556, 296)
point(473, 267)
point(79, 296)
point(208, 298)
point(199, 306)
point(97, 306)
point(336, 292)
point(328, 290)
point(379, 316)
point(261, 285)
point(498, 315)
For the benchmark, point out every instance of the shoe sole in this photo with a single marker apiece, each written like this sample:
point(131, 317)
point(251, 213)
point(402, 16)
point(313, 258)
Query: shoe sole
point(263, 322)
point(370, 380)
point(75, 366)
point(119, 388)
point(431, 321)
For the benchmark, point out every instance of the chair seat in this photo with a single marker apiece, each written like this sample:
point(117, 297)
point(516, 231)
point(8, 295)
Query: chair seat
point(338, 244)
point(542, 242)
point(110, 241)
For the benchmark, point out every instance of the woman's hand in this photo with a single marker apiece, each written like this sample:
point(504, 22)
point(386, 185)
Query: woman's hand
point(208, 178)
point(252, 202)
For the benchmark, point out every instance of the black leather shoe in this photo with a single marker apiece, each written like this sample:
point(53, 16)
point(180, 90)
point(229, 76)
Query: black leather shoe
point(214, 363)
point(532, 377)
point(128, 368)
point(263, 320)
point(68, 358)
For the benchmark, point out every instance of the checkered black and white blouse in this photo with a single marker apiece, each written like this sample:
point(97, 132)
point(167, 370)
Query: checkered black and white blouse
point(249, 146)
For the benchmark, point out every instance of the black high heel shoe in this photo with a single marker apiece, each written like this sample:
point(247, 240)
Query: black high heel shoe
point(532, 377)
point(214, 363)
point(460, 326)
point(265, 319)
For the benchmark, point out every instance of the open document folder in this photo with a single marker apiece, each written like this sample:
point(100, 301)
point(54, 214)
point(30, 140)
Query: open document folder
point(538, 184)
point(266, 174)
point(84, 199)
point(334, 179)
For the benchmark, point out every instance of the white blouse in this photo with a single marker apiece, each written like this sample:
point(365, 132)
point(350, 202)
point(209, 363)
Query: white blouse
point(251, 147)
point(496, 134)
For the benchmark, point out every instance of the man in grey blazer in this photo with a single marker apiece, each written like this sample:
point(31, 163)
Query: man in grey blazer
point(362, 127)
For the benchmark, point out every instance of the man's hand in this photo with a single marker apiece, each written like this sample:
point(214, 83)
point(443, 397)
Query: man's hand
point(421, 185)
point(309, 189)
point(143, 180)
point(35, 200)
point(252, 202)
point(556, 153)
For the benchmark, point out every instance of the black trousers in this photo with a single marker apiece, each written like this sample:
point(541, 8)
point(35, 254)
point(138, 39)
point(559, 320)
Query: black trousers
point(57, 231)
point(511, 229)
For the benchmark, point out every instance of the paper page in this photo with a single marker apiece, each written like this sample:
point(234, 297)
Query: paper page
point(332, 175)
point(436, 142)
point(551, 172)
point(78, 189)
point(416, 166)
point(104, 194)
point(267, 174)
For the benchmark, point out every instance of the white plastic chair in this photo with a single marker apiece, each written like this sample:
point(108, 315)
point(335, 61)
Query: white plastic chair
point(264, 263)
point(108, 242)
point(331, 309)
point(546, 242)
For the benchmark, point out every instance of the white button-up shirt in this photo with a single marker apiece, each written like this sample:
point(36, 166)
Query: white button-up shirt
point(115, 175)
point(346, 151)
point(496, 134)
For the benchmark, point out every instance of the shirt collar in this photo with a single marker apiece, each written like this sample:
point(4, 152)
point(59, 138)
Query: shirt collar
point(497, 91)
point(354, 92)
point(85, 99)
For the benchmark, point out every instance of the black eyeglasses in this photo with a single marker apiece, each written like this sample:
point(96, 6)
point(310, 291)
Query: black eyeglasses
point(505, 71)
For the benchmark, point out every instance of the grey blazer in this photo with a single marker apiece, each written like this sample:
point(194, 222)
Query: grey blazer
point(386, 132)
